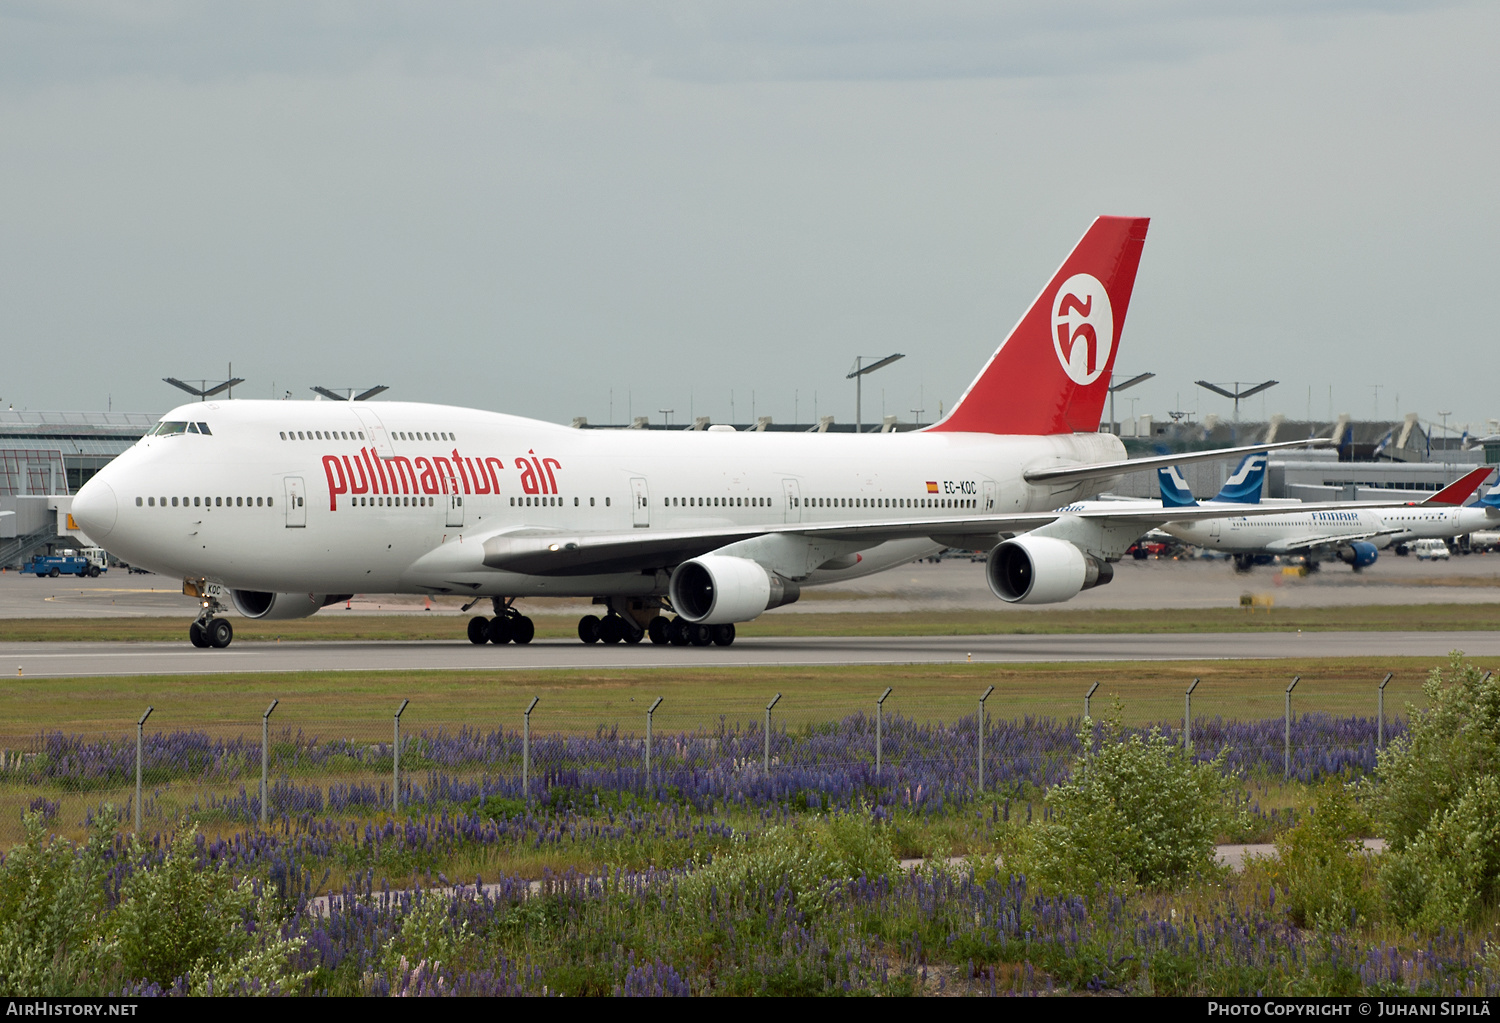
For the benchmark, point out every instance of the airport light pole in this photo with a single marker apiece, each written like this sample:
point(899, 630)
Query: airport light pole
point(1187, 718)
point(649, 711)
point(526, 748)
point(1140, 378)
point(1086, 697)
point(858, 374)
point(666, 415)
point(1380, 711)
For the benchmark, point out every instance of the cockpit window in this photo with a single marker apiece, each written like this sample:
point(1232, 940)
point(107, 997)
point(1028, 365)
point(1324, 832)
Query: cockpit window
point(203, 429)
point(192, 428)
point(166, 427)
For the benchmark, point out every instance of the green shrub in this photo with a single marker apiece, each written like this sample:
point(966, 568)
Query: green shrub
point(808, 856)
point(1320, 866)
point(52, 914)
point(176, 920)
point(1137, 810)
point(1434, 797)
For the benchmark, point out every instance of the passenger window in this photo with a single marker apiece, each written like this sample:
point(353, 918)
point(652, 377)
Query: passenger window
point(591, 502)
point(197, 502)
point(606, 502)
point(138, 502)
point(152, 500)
point(270, 501)
point(283, 435)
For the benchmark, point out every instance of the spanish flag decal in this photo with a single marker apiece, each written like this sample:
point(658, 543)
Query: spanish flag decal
point(932, 487)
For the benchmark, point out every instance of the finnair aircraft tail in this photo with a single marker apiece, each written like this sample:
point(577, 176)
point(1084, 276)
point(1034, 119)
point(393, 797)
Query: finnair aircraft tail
point(1243, 486)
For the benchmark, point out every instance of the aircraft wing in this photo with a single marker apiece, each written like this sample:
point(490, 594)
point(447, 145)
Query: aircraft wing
point(1102, 470)
point(1309, 542)
point(563, 552)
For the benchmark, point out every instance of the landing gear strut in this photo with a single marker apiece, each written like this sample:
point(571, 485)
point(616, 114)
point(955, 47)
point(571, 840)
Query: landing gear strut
point(508, 626)
point(209, 631)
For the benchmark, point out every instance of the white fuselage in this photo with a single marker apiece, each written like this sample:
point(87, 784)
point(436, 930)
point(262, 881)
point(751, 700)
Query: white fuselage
point(1379, 526)
point(344, 497)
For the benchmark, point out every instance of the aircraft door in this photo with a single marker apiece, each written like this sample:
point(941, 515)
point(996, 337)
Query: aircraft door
point(792, 494)
point(1213, 530)
point(375, 431)
point(641, 503)
point(455, 504)
point(987, 498)
point(296, 502)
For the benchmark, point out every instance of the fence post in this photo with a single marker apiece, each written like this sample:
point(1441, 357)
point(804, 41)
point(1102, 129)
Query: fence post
point(1092, 689)
point(396, 761)
point(649, 711)
point(1187, 718)
point(265, 760)
point(526, 748)
point(1287, 769)
point(773, 702)
point(879, 712)
point(1380, 711)
point(986, 696)
point(140, 729)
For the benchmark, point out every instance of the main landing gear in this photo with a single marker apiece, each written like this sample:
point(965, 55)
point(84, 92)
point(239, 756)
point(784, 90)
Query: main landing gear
point(208, 631)
point(662, 630)
point(508, 626)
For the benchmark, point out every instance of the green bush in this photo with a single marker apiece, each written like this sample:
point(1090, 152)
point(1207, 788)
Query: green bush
point(808, 856)
point(1320, 866)
point(1436, 799)
point(52, 914)
point(176, 920)
point(1137, 810)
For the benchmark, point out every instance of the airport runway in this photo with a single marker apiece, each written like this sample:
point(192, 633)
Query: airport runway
point(33, 660)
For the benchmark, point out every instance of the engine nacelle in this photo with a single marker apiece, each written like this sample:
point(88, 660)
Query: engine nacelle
point(717, 589)
point(1042, 570)
point(1359, 554)
point(277, 606)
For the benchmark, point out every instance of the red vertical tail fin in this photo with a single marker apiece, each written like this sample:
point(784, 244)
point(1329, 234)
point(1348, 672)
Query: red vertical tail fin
point(1051, 374)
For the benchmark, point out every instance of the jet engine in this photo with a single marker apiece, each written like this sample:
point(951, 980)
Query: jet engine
point(1042, 570)
point(276, 606)
point(717, 589)
point(1358, 554)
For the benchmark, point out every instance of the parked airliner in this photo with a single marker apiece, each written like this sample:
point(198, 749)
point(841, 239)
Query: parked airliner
point(1354, 533)
point(280, 508)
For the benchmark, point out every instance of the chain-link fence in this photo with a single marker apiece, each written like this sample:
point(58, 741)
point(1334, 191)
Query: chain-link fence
point(922, 748)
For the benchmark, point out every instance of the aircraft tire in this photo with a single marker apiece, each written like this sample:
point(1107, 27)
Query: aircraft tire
point(501, 630)
point(723, 635)
point(611, 629)
point(522, 629)
point(478, 629)
point(658, 629)
point(196, 636)
point(219, 633)
point(633, 634)
point(699, 635)
point(677, 632)
point(588, 628)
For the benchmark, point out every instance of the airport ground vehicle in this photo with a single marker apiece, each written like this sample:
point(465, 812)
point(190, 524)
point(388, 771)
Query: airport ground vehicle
point(286, 507)
point(89, 562)
point(1430, 549)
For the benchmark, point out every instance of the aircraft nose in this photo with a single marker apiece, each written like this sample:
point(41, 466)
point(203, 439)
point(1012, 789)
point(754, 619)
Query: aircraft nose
point(94, 509)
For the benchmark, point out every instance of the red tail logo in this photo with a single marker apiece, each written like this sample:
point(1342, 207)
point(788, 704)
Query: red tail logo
point(1051, 374)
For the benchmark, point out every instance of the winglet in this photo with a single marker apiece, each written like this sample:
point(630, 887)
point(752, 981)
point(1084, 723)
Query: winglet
point(1175, 493)
point(1457, 492)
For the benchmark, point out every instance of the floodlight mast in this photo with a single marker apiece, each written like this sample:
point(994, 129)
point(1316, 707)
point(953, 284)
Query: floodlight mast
point(858, 374)
point(203, 392)
point(1236, 394)
point(349, 394)
point(1139, 378)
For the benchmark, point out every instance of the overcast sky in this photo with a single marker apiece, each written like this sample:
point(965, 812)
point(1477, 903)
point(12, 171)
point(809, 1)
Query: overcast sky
point(529, 207)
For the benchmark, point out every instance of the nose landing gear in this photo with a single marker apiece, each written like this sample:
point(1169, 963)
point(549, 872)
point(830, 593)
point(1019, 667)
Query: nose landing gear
point(208, 631)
